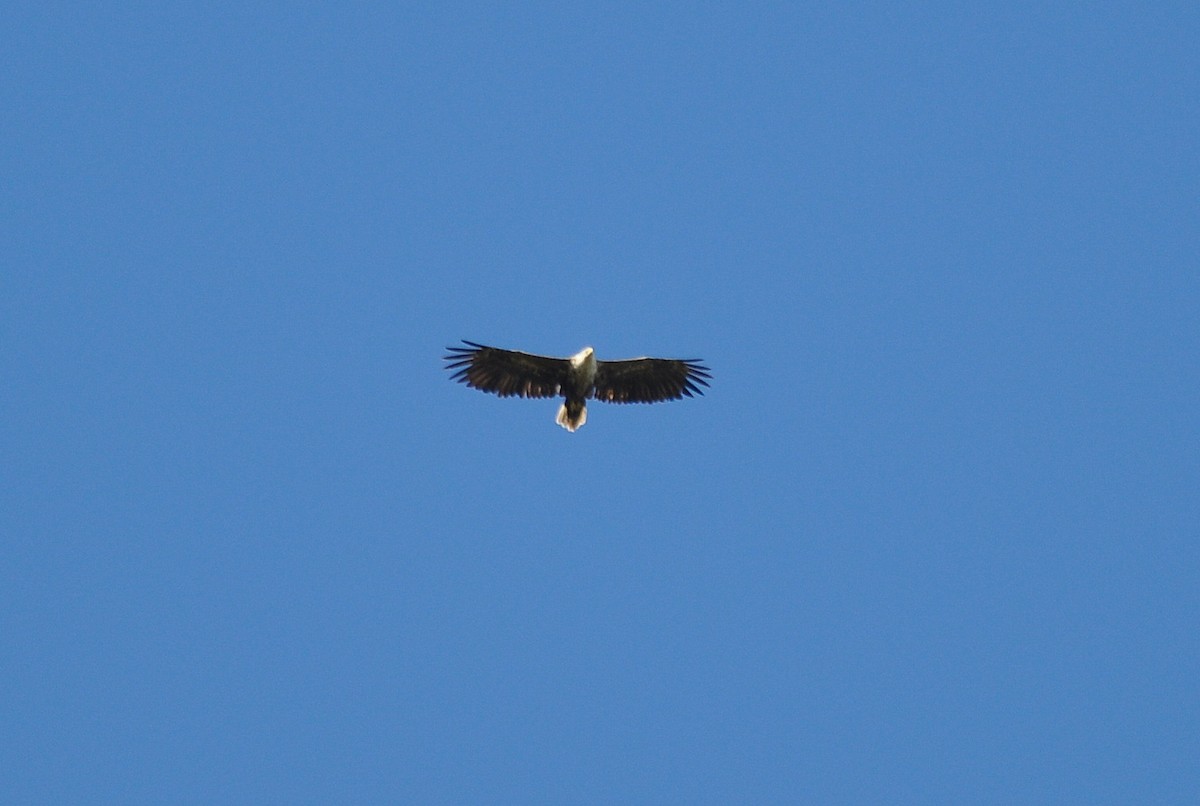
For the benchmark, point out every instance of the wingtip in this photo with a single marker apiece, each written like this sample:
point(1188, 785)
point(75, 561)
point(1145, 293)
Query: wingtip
point(456, 353)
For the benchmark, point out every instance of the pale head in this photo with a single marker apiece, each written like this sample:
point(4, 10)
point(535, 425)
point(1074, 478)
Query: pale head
point(582, 357)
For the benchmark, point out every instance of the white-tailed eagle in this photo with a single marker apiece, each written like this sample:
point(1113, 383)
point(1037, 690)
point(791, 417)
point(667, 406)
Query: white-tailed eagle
point(635, 380)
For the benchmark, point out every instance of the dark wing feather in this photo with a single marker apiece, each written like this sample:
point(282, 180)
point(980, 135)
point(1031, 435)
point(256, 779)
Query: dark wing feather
point(648, 380)
point(506, 372)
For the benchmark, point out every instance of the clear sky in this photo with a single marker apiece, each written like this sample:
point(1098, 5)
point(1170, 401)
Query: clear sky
point(931, 537)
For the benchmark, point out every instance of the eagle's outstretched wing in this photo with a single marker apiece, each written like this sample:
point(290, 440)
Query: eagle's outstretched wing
point(649, 380)
point(507, 372)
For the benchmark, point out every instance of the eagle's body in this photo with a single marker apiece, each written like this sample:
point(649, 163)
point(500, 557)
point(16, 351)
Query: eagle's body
point(636, 380)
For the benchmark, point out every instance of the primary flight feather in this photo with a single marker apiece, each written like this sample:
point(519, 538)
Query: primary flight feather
point(636, 380)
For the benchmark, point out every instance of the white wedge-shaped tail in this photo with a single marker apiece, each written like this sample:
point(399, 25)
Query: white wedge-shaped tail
point(572, 415)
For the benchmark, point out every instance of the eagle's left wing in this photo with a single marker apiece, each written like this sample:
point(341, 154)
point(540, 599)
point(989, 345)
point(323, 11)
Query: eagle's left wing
point(507, 372)
point(649, 380)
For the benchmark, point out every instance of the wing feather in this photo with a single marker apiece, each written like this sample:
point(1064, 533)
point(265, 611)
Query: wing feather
point(649, 380)
point(506, 372)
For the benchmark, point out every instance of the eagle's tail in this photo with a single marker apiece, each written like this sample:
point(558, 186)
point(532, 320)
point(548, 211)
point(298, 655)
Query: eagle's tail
point(572, 414)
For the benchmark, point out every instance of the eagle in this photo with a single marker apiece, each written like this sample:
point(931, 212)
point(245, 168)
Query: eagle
point(633, 380)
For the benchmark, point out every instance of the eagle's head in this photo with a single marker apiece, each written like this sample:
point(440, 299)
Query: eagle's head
point(582, 357)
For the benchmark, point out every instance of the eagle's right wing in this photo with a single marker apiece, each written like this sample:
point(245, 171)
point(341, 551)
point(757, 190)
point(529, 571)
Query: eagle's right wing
point(507, 372)
point(649, 380)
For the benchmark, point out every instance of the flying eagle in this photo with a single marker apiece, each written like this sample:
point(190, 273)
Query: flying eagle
point(634, 380)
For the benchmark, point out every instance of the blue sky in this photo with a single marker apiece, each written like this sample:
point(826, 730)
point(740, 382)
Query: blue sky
point(930, 537)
